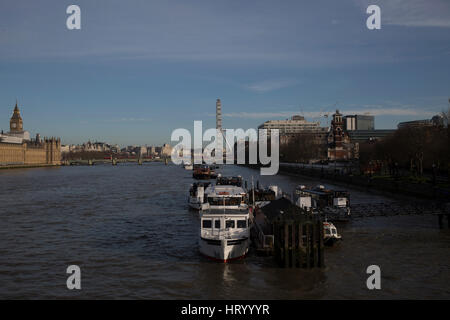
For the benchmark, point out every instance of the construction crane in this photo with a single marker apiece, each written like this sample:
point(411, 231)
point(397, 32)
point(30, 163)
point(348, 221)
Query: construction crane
point(325, 115)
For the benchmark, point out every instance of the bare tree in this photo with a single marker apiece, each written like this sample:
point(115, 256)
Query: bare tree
point(445, 114)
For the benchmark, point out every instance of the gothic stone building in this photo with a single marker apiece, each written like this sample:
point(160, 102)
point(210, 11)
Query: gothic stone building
point(16, 147)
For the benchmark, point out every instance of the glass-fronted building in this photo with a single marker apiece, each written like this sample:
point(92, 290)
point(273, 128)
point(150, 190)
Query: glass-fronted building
point(359, 122)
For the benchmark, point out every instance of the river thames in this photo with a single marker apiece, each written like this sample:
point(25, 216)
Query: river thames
point(129, 229)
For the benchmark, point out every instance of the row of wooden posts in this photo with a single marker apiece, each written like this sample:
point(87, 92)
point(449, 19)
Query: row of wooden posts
point(298, 241)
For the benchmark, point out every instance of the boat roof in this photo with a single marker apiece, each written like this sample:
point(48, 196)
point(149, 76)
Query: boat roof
point(224, 190)
point(235, 180)
point(278, 207)
point(316, 192)
point(322, 191)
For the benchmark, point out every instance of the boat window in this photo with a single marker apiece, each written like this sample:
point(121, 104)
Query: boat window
point(327, 231)
point(334, 231)
point(229, 224)
point(228, 201)
point(242, 224)
point(206, 224)
point(217, 224)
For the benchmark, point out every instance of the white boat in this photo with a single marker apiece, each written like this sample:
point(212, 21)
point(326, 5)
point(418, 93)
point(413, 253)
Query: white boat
point(224, 234)
point(203, 196)
point(331, 202)
point(330, 234)
point(188, 166)
point(197, 197)
point(226, 197)
point(263, 196)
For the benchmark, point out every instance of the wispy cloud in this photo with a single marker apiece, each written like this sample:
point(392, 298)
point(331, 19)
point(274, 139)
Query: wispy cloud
point(128, 120)
point(258, 115)
point(271, 85)
point(390, 112)
point(375, 111)
point(116, 120)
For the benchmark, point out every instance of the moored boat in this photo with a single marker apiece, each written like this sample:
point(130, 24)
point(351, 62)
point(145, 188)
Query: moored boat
point(226, 197)
point(330, 234)
point(203, 172)
point(333, 203)
point(188, 166)
point(197, 196)
point(261, 197)
point(224, 234)
point(222, 195)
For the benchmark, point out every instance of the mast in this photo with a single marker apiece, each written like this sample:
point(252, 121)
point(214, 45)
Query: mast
point(253, 194)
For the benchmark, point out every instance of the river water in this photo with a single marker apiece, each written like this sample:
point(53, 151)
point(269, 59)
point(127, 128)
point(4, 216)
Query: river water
point(129, 229)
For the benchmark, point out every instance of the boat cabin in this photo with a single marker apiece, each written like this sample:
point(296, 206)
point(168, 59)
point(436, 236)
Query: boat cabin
point(232, 224)
point(229, 181)
point(321, 197)
point(220, 196)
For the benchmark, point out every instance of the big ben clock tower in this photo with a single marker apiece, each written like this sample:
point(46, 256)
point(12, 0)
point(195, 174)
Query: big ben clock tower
point(16, 122)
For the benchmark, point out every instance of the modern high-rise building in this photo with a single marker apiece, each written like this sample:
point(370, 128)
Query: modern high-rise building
point(359, 122)
point(297, 128)
point(297, 124)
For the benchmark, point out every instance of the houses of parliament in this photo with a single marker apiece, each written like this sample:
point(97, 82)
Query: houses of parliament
point(18, 149)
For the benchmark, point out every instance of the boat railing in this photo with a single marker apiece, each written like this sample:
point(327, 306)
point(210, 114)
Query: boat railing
point(223, 234)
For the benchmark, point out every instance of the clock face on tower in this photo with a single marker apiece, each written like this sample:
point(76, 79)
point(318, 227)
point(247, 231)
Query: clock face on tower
point(13, 125)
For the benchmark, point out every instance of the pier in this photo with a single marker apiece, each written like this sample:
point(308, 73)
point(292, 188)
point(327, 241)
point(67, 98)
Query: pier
point(346, 175)
point(289, 233)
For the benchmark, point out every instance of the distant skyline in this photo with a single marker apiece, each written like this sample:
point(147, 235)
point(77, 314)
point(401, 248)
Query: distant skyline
point(139, 69)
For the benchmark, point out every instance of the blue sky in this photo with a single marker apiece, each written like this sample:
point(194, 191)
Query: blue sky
point(139, 69)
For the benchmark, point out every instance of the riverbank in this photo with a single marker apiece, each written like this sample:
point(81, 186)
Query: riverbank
point(26, 166)
point(390, 187)
point(385, 186)
point(107, 161)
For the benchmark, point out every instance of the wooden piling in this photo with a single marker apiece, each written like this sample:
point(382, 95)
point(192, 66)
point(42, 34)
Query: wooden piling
point(440, 220)
point(298, 240)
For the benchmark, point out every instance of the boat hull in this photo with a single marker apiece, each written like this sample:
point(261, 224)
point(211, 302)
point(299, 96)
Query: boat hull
point(330, 241)
point(224, 250)
point(201, 176)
